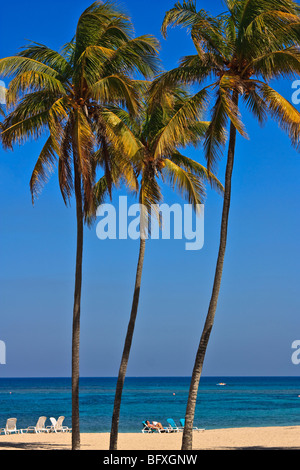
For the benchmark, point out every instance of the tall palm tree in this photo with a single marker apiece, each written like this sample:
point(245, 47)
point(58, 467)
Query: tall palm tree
point(237, 54)
point(168, 122)
point(68, 95)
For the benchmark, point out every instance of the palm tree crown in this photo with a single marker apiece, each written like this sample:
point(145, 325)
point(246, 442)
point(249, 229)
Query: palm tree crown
point(69, 94)
point(241, 50)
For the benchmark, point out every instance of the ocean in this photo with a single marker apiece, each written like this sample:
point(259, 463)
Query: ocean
point(242, 402)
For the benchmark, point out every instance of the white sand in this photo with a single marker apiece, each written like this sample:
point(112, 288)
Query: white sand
point(220, 439)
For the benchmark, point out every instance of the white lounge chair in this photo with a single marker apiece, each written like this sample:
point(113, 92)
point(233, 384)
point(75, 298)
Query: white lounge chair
point(57, 425)
point(39, 427)
point(53, 425)
point(11, 427)
point(146, 428)
point(153, 427)
point(159, 429)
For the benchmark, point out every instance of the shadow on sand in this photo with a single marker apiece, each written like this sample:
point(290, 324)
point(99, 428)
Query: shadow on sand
point(32, 446)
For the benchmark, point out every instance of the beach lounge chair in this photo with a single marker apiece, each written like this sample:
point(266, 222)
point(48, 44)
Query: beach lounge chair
point(39, 427)
point(11, 427)
point(61, 427)
point(182, 421)
point(56, 425)
point(146, 427)
point(153, 427)
point(173, 426)
point(53, 427)
point(159, 427)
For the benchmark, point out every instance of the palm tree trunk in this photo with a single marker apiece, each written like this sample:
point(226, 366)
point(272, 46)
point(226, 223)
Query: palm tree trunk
point(76, 313)
point(187, 438)
point(126, 350)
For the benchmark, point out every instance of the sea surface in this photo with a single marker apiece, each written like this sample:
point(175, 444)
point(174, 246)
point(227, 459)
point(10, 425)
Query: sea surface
point(242, 402)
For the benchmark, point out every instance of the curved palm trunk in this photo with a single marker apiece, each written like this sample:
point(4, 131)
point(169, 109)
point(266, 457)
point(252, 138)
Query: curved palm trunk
point(187, 439)
point(126, 350)
point(76, 314)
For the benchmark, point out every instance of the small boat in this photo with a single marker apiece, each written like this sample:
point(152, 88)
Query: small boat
point(221, 383)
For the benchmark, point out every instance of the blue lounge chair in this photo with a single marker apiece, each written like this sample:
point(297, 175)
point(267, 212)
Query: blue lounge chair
point(182, 421)
point(173, 425)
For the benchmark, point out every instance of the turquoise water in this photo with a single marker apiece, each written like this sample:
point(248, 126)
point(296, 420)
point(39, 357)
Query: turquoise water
point(244, 401)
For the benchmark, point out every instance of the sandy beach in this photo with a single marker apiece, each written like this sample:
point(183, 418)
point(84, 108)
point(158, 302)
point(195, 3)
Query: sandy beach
point(219, 439)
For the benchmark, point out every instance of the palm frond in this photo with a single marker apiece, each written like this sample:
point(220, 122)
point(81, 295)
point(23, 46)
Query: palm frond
point(11, 66)
point(205, 30)
point(139, 54)
point(197, 169)
point(89, 66)
point(278, 64)
point(283, 112)
point(187, 75)
point(189, 186)
point(254, 102)
point(182, 14)
point(116, 33)
point(47, 56)
point(177, 130)
point(44, 167)
point(116, 89)
point(30, 82)
point(19, 132)
point(94, 21)
point(119, 132)
point(265, 24)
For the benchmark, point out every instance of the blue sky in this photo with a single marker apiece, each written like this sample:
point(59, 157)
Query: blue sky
point(258, 313)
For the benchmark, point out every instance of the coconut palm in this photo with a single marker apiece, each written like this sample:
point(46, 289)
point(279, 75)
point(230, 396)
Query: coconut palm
point(68, 95)
point(237, 54)
point(167, 123)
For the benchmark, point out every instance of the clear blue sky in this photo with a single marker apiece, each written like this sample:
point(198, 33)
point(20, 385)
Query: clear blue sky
point(258, 314)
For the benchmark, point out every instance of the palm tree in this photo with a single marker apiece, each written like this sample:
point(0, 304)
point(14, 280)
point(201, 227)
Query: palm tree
point(240, 51)
point(169, 121)
point(68, 95)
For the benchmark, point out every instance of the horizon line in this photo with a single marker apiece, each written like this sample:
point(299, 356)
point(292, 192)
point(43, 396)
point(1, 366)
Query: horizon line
point(153, 377)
